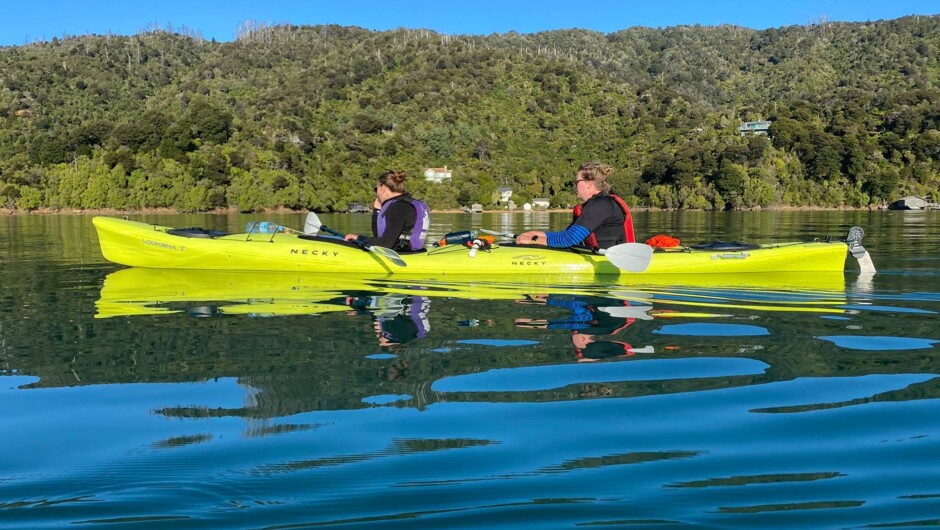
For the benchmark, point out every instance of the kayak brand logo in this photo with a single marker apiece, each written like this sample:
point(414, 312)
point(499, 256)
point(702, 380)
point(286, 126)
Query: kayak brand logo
point(314, 252)
point(732, 255)
point(529, 260)
point(161, 244)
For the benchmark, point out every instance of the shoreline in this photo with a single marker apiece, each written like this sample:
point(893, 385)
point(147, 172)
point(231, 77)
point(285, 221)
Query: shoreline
point(287, 211)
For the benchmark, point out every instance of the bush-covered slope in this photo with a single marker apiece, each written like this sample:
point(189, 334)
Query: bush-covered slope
point(306, 117)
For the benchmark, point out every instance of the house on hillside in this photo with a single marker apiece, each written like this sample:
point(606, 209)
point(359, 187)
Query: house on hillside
point(437, 174)
point(505, 193)
point(754, 128)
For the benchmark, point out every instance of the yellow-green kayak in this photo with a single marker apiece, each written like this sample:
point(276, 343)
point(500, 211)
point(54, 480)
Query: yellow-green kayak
point(148, 245)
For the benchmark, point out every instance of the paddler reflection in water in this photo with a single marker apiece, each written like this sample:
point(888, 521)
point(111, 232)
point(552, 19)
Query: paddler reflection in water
point(397, 319)
point(594, 324)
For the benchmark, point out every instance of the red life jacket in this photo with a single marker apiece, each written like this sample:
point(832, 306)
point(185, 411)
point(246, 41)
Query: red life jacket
point(591, 240)
point(607, 346)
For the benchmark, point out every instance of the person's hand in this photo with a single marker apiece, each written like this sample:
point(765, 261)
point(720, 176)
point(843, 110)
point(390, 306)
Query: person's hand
point(350, 237)
point(533, 323)
point(532, 237)
point(377, 204)
point(534, 299)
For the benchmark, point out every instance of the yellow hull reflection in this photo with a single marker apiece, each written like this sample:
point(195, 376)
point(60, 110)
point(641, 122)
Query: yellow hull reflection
point(143, 291)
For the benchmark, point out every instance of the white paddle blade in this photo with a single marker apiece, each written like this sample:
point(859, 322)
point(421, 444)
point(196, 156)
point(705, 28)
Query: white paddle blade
point(854, 241)
point(388, 254)
point(630, 257)
point(637, 312)
point(312, 224)
point(865, 264)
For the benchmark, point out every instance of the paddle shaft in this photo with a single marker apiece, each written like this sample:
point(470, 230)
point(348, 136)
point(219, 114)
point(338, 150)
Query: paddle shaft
point(337, 233)
point(386, 253)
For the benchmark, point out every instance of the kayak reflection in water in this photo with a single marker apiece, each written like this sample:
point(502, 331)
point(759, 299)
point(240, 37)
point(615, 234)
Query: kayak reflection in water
point(397, 318)
point(594, 327)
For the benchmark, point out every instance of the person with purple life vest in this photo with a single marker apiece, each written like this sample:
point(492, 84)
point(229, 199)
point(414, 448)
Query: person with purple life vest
point(399, 221)
point(396, 319)
point(601, 221)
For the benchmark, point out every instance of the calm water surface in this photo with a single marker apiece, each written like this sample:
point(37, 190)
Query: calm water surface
point(158, 399)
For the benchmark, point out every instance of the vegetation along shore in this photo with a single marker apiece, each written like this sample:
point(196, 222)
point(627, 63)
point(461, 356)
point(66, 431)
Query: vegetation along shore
point(824, 115)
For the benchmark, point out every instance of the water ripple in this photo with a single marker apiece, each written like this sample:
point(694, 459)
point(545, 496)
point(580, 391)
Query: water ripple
point(879, 343)
point(397, 448)
point(757, 479)
point(557, 376)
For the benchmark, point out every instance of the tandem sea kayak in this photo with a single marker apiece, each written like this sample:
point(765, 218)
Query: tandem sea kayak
point(139, 244)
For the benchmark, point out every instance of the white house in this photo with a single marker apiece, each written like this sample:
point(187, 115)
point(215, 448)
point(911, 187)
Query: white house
point(437, 174)
point(754, 127)
point(505, 193)
point(541, 203)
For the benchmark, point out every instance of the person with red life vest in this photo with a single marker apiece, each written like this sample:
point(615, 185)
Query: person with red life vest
point(602, 220)
point(399, 221)
point(594, 327)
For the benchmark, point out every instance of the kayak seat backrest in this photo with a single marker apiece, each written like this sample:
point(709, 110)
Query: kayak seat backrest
point(197, 232)
point(725, 245)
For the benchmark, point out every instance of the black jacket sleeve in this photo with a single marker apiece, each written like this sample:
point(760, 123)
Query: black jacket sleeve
point(396, 221)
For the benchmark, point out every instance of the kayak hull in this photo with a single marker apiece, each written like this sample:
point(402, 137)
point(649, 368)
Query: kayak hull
point(138, 244)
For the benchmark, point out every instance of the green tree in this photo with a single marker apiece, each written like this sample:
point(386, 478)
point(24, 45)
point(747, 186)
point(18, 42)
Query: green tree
point(732, 180)
point(208, 122)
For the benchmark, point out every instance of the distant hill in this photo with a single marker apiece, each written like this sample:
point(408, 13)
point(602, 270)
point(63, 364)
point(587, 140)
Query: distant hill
point(307, 117)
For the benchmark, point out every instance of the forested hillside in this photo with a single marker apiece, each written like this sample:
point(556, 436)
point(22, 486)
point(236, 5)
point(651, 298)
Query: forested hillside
point(307, 117)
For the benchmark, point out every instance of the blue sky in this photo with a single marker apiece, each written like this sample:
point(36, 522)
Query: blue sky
point(25, 21)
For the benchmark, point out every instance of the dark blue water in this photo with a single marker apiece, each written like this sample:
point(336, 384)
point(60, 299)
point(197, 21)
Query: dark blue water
point(150, 399)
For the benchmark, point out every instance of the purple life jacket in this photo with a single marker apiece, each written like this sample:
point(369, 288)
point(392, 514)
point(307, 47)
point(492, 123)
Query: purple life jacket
point(419, 315)
point(422, 221)
point(408, 324)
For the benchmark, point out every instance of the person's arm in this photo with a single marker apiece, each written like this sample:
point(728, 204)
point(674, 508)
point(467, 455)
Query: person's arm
point(532, 237)
point(395, 220)
point(376, 207)
point(571, 236)
point(591, 218)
